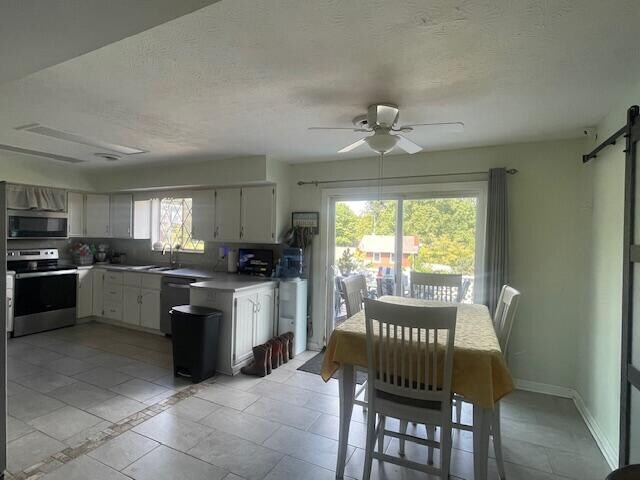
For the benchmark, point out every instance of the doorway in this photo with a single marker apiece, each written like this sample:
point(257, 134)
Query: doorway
point(384, 236)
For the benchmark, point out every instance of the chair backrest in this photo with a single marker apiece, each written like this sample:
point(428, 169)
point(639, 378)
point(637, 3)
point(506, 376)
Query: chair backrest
point(354, 292)
point(505, 313)
point(410, 349)
point(385, 286)
point(446, 287)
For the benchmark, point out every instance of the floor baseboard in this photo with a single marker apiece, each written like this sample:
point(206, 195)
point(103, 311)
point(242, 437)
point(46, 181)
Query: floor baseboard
point(609, 453)
point(545, 388)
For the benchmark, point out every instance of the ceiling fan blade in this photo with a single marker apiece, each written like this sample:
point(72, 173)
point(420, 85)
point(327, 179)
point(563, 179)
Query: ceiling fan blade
point(443, 127)
point(407, 145)
point(339, 128)
point(353, 146)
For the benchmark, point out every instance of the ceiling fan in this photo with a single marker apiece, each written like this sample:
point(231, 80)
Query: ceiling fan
point(381, 119)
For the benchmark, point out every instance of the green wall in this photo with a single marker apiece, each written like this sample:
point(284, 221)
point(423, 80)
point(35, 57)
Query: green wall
point(548, 239)
point(598, 365)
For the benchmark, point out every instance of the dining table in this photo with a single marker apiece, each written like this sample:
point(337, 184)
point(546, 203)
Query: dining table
point(480, 374)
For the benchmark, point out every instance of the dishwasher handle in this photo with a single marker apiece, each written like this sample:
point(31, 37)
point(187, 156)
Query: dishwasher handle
point(177, 285)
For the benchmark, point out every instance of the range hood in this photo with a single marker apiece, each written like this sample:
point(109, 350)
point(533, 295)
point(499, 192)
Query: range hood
point(27, 197)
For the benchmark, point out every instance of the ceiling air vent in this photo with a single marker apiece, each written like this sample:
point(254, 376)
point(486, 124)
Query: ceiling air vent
point(109, 157)
point(72, 137)
point(52, 156)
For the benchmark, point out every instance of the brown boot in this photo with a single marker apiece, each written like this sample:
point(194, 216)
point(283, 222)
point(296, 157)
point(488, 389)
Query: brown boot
point(268, 348)
point(276, 353)
point(284, 340)
point(289, 335)
point(258, 367)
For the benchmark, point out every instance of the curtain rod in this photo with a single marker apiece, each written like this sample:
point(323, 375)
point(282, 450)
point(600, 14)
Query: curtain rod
point(510, 171)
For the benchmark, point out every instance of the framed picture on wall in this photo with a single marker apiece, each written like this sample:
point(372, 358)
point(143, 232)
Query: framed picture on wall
point(306, 219)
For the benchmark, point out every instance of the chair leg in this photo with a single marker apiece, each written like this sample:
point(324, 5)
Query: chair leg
point(431, 435)
point(370, 445)
point(497, 441)
point(403, 429)
point(366, 396)
point(383, 425)
point(445, 450)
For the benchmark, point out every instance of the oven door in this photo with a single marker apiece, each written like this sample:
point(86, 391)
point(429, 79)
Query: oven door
point(36, 224)
point(44, 301)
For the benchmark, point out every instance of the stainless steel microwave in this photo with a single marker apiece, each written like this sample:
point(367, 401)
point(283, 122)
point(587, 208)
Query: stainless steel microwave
point(36, 224)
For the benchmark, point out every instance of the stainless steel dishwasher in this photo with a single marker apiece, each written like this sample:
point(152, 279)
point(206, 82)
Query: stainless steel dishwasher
point(175, 291)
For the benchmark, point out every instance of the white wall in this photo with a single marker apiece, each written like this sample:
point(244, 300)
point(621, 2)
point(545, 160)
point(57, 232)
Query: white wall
point(176, 173)
point(547, 236)
point(20, 168)
point(598, 366)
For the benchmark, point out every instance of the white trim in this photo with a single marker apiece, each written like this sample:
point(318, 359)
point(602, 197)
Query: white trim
point(330, 196)
point(609, 453)
point(315, 347)
point(547, 389)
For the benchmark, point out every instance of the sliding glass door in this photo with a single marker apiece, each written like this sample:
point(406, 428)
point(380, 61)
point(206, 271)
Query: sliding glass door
point(439, 237)
point(364, 244)
point(384, 237)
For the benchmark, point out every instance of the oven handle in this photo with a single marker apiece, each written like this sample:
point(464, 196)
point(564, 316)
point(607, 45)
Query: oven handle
point(45, 274)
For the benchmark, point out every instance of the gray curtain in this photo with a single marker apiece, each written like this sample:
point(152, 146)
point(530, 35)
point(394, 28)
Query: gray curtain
point(496, 249)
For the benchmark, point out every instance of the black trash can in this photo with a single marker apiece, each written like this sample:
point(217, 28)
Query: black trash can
point(631, 472)
point(195, 331)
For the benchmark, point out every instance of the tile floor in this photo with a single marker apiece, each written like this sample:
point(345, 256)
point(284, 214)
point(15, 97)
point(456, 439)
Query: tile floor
point(67, 385)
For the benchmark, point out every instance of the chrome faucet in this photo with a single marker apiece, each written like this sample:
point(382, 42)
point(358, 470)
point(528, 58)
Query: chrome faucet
point(173, 254)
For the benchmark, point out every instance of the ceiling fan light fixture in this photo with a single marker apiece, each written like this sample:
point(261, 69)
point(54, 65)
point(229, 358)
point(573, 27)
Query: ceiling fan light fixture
point(382, 142)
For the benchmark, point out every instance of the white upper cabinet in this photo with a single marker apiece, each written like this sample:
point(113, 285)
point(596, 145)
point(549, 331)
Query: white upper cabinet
point(121, 215)
point(75, 211)
point(258, 207)
point(97, 215)
point(203, 215)
point(227, 215)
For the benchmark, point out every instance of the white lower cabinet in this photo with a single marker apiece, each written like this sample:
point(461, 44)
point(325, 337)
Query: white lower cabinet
point(150, 308)
point(141, 300)
point(84, 293)
point(131, 305)
point(265, 326)
point(244, 327)
point(248, 319)
point(97, 275)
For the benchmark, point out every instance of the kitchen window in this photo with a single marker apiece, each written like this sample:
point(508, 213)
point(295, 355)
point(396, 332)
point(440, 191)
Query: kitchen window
point(172, 224)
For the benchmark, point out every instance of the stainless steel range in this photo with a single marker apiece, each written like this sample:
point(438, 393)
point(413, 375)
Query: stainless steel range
point(44, 291)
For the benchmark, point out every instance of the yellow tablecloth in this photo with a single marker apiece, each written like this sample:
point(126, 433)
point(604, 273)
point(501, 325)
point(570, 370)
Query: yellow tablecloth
point(480, 373)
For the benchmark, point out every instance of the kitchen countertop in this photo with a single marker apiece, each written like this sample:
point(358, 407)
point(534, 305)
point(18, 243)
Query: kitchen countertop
point(194, 272)
point(231, 282)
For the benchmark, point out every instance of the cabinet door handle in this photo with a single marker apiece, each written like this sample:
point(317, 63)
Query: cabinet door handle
point(241, 232)
point(215, 234)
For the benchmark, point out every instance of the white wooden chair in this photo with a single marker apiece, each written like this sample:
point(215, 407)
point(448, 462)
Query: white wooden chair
point(446, 287)
point(354, 290)
point(502, 323)
point(410, 363)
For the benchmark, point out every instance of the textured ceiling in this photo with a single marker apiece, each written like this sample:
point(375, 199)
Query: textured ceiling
point(36, 34)
point(242, 78)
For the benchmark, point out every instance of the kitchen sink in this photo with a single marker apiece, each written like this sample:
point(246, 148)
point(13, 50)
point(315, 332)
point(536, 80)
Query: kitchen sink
point(160, 269)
